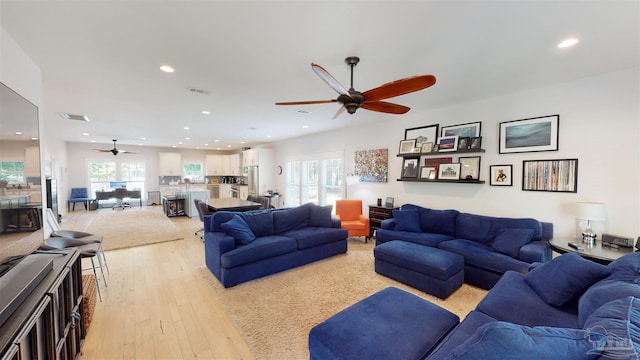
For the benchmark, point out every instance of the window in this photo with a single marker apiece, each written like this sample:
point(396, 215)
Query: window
point(100, 174)
point(193, 171)
point(133, 174)
point(318, 181)
point(103, 173)
point(12, 171)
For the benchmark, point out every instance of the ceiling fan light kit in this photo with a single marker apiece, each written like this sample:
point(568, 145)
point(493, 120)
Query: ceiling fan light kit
point(352, 99)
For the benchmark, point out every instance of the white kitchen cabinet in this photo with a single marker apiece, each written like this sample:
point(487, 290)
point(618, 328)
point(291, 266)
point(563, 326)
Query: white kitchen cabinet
point(215, 165)
point(235, 167)
point(170, 164)
point(225, 191)
point(244, 192)
point(250, 157)
point(32, 162)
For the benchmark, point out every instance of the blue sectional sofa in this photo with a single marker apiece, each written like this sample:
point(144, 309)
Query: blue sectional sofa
point(490, 246)
point(568, 308)
point(244, 246)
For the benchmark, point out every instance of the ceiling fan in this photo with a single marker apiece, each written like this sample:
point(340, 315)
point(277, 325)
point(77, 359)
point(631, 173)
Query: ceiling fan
point(352, 99)
point(115, 151)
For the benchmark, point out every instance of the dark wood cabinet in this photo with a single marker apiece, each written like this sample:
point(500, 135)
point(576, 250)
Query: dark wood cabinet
point(376, 215)
point(48, 322)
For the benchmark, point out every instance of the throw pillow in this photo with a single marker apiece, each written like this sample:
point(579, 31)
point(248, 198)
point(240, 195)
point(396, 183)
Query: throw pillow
point(438, 221)
point(565, 278)
point(619, 321)
point(291, 219)
point(602, 292)
point(502, 340)
point(238, 229)
point(320, 216)
point(509, 241)
point(407, 220)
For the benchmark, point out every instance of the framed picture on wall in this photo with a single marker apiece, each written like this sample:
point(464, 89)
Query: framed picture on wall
point(449, 171)
point(448, 143)
point(500, 175)
point(469, 167)
point(407, 146)
point(529, 135)
point(410, 167)
point(550, 175)
point(422, 134)
point(462, 130)
point(427, 171)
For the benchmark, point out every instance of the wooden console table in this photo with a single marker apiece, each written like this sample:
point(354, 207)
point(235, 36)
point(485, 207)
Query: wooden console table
point(377, 214)
point(598, 253)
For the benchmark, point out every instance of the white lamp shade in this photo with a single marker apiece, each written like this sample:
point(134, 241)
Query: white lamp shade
point(590, 211)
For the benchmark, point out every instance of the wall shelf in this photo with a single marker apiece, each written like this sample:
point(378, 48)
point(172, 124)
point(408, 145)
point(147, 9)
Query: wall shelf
point(462, 181)
point(443, 153)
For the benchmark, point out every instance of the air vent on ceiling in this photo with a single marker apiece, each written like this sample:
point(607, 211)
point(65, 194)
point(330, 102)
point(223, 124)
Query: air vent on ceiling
point(75, 117)
point(198, 91)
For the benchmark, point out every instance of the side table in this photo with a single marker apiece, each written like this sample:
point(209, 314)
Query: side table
point(377, 214)
point(598, 253)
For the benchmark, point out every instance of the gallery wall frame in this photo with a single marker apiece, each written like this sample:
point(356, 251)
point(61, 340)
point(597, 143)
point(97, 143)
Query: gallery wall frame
point(529, 135)
point(372, 165)
point(469, 167)
point(550, 175)
point(462, 130)
point(422, 134)
point(449, 171)
point(501, 175)
point(410, 167)
point(407, 146)
point(448, 143)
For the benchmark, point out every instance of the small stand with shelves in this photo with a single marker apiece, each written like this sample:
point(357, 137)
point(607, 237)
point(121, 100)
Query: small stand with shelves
point(376, 215)
point(419, 156)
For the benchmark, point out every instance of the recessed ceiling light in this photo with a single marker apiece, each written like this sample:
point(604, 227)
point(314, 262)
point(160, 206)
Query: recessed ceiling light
point(206, 112)
point(216, 140)
point(206, 144)
point(268, 136)
point(143, 138)
point(187, 138)
point(18, 132)
point(569, 42)
point(179, 142)
point(93, 141)
point(241, 142)
point(186, 128)
point(74, 117)
point(34, 138)
point(85, 134)
point(228, 145)
point(167, 68)
point(305, 126)
point(173, 146)
point(303, 112)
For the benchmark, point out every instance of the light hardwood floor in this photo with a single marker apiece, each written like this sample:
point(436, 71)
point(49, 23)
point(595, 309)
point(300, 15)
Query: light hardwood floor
point(157, 306)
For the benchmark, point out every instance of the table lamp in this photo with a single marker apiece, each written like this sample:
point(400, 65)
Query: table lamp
point(590, 211)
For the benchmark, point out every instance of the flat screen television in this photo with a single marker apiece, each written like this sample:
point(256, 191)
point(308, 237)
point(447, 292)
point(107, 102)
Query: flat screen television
point(20, 185)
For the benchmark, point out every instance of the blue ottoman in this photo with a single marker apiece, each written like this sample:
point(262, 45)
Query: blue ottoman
point(434, 271)
point(390, 324)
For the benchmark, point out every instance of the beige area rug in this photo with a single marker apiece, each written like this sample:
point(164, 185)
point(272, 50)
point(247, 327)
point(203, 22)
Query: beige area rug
point(274, 314)
point(133, 227)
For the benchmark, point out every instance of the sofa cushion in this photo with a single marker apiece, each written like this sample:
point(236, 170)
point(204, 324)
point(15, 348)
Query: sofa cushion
point(407, 220)
point(603, 292)
point(438, 221)
point(619, 321)
point(320, 216)
point(238, 229)
point(460, 334)
point(262, 248)
point(509, 241)
point(426, 239)
point(502, 340)
point(435, 263)
point(290, 219)
point(260, 221)
point(483, 256)
point(313, 236)
point(626, 268)
point(473, 227)
point(511, 295)
point(565, 278)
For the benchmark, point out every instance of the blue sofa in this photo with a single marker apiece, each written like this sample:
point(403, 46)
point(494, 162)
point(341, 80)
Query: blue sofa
point(567, 308)
point(244, 246)
point(490, 246)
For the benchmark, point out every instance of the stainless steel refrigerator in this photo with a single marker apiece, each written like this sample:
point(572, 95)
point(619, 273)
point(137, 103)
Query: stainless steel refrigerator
point(252, 180)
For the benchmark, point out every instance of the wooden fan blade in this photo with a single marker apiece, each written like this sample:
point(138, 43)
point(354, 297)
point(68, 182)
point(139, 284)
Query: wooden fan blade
point(385, 107)
point(307, 102)
point(102, 150)
point(399, 87)
point(327, 78)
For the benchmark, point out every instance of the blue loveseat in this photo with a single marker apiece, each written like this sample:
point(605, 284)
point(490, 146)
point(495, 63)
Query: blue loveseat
point(567, 308)
point(490, 246)
point(244, 246)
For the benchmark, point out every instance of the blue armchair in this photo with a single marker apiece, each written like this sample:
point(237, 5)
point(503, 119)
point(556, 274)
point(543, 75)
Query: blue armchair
point(78, 195)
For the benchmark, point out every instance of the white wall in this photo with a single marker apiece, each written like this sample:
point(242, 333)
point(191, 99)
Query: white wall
point(599, 125)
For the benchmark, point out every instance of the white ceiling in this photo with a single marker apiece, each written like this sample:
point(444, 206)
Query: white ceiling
point(102, 59)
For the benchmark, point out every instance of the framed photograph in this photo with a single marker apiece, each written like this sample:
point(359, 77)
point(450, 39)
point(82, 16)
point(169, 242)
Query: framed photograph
point(463, 143)
point(529, 135)
point(427, 171)
point(448, 143)
point(427, 147)
point(422, 134)
point(462, 130)
point(410, 167)
point(435, 162)
point(469, 168)
point(500, 175)
point(449, 171)
point(550, 175)
point(388, 202)
point(475, 142)
point(406, 146)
